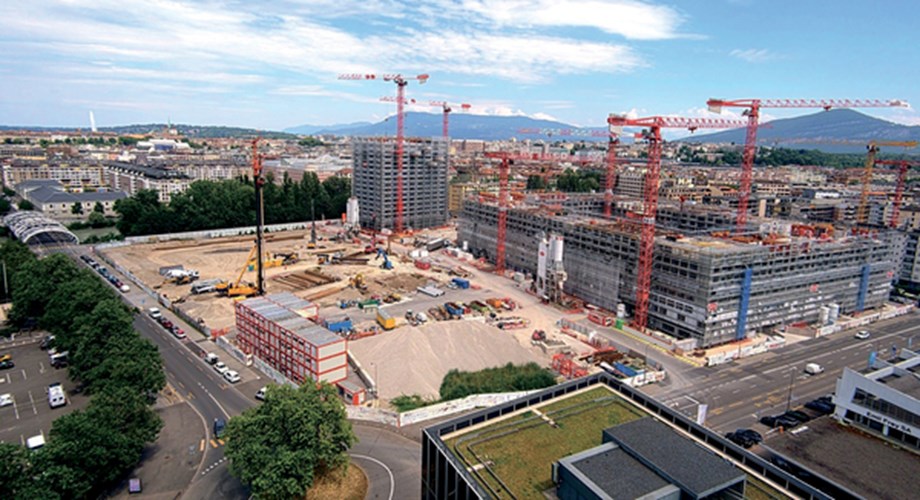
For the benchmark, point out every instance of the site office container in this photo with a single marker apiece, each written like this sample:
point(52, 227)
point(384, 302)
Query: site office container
point(386, 321)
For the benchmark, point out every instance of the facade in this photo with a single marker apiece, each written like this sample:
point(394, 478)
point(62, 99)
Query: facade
point(73, 175)
point(910, 266)
point(424, 175)
point(630, 182)
point(883, 399)
point(132, 178)
point(446, 475)
point(708, 288)
point(50, 198)
point(456, 192)
point(275, 329)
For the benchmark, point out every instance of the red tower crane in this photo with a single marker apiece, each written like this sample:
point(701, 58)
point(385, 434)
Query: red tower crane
point(503, 173)
point(903, 166)
point(652, 134)
point(401, 82)
point(447, 109)
point(752, 111)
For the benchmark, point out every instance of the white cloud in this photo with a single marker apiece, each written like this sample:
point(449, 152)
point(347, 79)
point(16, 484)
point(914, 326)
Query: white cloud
point(753, 55)
point(544, 116)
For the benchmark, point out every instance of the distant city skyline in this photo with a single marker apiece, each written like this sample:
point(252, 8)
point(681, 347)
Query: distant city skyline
point(275, 65)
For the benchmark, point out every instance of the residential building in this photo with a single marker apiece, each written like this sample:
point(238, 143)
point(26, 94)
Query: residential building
point(424, 181)
point(73, 175)
point(132, 178)
point(50, 198)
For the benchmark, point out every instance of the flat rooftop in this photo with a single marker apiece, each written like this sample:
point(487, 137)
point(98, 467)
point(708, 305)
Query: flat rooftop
point(865, 464)
point(616, 473)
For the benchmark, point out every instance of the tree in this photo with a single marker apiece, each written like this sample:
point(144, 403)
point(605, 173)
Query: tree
point(5, 205)
point(14, 460)
point(457, 384)
point(278, 447)
point(96, 220)
point(26, 205)
point(35, 282)
point(76, 208)
point(98, 208)
point(536, 182)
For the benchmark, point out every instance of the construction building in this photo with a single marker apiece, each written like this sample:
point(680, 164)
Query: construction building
point(706, 285)
point(424, 181)
point(277, 329)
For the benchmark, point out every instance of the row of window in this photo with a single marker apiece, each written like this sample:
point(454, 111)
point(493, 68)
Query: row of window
point(872, 402)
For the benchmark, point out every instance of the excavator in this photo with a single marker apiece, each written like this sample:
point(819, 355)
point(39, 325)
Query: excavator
point(386, 261)
point(238, 289)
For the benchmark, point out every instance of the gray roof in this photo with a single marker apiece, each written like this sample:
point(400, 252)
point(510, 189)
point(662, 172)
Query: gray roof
point(152, 172)
point(696, 470)
point(47, 194)
point(37, 183)
point(34, 227)
point(616, 473)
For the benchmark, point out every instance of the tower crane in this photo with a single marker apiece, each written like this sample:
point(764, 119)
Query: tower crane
point(871, 150)
point(447, 109)
point(401, 82)
point(258, 181)
point(752, 112)
point(507, 157)
point(903, 166)
point(652, 133)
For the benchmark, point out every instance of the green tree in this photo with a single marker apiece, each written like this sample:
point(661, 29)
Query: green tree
point(76, 208)
point(536, 182)
point(14, 255)
point(14, 461)
point(5, 205)
point(96, 220)
point(26, 205)
point(98, 208)
point(278, 447)
point(35, 282)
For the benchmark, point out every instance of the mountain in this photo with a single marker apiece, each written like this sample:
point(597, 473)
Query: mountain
point(190, 131)
point(833, 125)
point(312, 129)
point(462, 126)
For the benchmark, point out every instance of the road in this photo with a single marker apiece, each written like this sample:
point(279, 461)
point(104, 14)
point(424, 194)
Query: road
point(741, 392)
point(391, 461)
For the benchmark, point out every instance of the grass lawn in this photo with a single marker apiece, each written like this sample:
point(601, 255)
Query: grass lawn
point(759, 490)
point(523, 459)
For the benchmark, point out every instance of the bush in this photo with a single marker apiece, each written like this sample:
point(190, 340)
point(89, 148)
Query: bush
point(457, 384)
point(410, 402)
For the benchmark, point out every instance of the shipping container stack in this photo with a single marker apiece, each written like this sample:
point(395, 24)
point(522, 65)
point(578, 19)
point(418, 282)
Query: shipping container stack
point(275, 329)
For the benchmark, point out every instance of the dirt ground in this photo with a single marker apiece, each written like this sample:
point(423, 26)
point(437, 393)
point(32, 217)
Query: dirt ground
point(413, 360)
point(223, 258)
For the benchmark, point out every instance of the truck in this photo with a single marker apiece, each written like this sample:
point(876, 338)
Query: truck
point(369, 303)
point(436, 244)
point(386, 321)
point(206, 286)
point(461, 283)
point(453, 309)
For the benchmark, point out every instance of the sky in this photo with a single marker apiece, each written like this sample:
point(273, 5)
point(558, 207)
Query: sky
point(275, 64)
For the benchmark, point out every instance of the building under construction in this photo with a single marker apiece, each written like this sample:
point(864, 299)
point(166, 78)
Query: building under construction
point(424, 181)
point(706, 284)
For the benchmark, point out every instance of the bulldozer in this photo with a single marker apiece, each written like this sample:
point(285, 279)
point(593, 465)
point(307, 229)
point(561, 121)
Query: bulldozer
point(287, 258)
point(358, 282)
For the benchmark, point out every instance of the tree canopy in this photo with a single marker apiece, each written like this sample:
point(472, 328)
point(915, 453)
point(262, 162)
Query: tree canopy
point(231, 203)
point(278, 447)
point(581, 181)
point(457, 384)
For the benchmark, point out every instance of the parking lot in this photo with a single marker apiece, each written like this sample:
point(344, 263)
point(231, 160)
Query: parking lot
point(27, 385)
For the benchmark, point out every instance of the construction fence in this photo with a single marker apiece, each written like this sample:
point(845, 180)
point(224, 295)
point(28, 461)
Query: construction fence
point(213, 233)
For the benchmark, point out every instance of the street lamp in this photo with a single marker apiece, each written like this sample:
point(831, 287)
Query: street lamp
point(791, 385)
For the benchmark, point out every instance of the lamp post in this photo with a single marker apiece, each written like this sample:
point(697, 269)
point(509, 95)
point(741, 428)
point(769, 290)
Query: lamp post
point(791, 385)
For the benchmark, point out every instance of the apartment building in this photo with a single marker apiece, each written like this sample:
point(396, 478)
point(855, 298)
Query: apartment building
point(132, 178)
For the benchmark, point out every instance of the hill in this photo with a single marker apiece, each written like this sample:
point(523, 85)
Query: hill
point(190, 131)
point(313, 129)
point(462, 126)
point(833, 125)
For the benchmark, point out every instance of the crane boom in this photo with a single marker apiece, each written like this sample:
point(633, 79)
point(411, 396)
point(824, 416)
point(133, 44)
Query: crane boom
point(752, 111)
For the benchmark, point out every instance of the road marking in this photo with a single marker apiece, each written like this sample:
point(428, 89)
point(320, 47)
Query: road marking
point(191, 396)
point(15, 408)
point(389, 472)
point(213, 444)
point(181, 384)
point(24, 376)
point(41, 367)
point(34, 410)
point(201, 445)
point(219, 405)
point(221, 441)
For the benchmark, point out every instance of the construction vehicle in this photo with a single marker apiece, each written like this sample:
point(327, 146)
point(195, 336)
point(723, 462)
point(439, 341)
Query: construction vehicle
point(358, 282)
point(393, 297)
point(386, 321)
point(236, 288)
point(386, 260)
point(287, 258)
point(538, 336)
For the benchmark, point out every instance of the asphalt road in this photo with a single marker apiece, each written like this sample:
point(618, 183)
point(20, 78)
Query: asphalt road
point(391, 461)
point(740, 393)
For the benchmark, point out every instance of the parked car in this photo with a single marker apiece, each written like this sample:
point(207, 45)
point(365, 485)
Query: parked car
point(6, 365)
point(211, 358)
point(178, 332)
point(232, 376)
point(751, 434)
point(219, 426)
point(6, 400)
point(863, 334)
point(819, 406)
point(154, 313)
point(740, 439)
point(221, 367)
point(779, 421)
point(46, 342)
point(797, 415)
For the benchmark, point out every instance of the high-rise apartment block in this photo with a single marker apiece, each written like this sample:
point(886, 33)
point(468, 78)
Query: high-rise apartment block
point(424, 181)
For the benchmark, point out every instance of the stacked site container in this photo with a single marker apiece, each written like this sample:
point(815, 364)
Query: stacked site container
point(286, 341)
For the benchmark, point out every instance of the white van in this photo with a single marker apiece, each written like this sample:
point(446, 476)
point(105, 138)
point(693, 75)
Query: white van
point(154, 312)
point(56, 395)
point(813, 368)
point(35, 442)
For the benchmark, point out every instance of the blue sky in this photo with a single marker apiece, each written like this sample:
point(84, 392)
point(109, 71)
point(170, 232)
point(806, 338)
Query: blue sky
point(272, 65)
